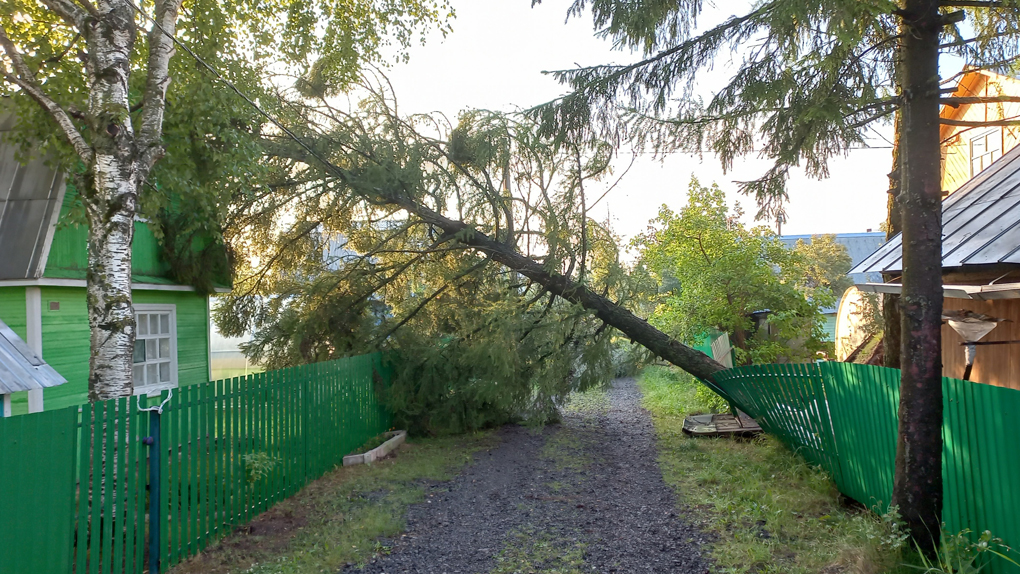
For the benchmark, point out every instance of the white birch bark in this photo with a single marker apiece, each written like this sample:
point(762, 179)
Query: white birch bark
point(118, 163)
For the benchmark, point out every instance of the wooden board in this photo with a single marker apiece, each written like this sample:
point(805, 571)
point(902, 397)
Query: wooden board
point(723, 424)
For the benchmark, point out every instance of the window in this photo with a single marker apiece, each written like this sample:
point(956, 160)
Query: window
point(155, 357)
point(985, 148)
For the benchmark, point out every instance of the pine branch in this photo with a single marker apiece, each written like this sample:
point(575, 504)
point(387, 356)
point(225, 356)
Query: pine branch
point(25, 79)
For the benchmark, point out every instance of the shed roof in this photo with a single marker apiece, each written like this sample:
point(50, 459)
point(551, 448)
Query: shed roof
point(30, 199)
point(980, 223)
point(858, 246)
point(20, 368)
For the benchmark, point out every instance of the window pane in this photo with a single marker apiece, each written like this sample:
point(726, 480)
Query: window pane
point(153, 324)
point(164, 324)
point(150, 349)
point(150, 372)
point(143, 323)
point(139, 375)
point(164, 372)
point(139, 351)
point(164, 348)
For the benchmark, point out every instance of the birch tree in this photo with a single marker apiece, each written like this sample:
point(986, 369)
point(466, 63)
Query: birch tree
point(809, 79)
point(99, 73)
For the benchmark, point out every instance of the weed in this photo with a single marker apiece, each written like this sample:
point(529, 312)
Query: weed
point(960, 554)
point(258, 465)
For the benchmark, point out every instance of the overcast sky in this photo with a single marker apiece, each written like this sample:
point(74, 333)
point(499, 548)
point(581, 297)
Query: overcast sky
point(494, 59)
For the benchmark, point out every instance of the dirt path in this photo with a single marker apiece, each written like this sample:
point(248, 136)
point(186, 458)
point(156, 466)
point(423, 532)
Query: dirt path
point(584, 496)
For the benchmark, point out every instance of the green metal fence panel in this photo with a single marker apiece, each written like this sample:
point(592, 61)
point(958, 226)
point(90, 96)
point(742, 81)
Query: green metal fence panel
point(981, 462)
point(788, 401)
point(864, 401)
point(37, 492)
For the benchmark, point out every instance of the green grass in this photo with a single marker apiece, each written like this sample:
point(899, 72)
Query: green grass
point(770, 511)
point(533, 550)
point(339, 518)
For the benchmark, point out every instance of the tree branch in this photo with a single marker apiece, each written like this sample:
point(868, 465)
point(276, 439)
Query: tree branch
point(25, 79)
point(161, 49)
point(693, 361)
point(69, 11)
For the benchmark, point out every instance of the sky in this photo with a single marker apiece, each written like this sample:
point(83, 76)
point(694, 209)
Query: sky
point(494, 58)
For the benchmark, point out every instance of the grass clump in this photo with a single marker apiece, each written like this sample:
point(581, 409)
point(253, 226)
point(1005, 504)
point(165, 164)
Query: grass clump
point(340, 518)
point(532, 550)
point(770, 511)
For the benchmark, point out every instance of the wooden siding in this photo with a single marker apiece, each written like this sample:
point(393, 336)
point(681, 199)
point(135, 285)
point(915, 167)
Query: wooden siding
point(65, 335)
point(68, 257)
point(956, 140)
point(12, 311)
point(997, 365)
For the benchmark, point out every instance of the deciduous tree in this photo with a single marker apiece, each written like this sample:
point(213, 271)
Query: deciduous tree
point(100, 73)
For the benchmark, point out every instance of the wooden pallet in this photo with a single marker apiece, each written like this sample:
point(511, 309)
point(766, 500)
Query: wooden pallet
point(723, 424)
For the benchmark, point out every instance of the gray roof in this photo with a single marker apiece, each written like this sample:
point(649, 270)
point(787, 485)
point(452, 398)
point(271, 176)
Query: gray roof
point(980, 223)
point(20, 368)
point(858, 245)
point(30, 200)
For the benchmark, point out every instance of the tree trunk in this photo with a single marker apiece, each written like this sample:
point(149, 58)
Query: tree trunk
point(891, 301)
point(917, 485)
point(693, 361)
point(110, 199)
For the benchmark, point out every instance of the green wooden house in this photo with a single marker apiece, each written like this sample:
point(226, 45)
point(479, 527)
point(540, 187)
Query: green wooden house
point(42, 291)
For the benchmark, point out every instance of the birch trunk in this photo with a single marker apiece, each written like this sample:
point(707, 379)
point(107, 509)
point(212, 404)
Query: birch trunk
point(117, 161)
point(917, 484)
point(111, 200)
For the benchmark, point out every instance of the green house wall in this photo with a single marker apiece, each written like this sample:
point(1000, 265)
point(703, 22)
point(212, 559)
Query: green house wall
point(68, 258)
point(65, 338)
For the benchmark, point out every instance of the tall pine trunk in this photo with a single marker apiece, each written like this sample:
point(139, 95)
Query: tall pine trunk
point(110, 200)
point(917, 485)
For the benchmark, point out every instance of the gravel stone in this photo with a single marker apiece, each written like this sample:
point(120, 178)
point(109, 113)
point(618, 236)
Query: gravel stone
point(591, 484)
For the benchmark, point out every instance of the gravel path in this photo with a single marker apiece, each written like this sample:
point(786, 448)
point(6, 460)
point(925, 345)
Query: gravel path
point(583, 496)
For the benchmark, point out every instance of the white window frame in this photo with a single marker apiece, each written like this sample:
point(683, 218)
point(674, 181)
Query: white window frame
point(160, 387)
point(983, 135)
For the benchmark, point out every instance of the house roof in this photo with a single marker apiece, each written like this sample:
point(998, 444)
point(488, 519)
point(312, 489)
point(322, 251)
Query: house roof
point(20, 368)
point(980, 223)
point(858, 245)
point(30, 199)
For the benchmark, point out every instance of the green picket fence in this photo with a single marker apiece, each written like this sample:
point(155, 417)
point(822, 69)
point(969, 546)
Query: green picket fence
point(74, 483)
point(843, 418)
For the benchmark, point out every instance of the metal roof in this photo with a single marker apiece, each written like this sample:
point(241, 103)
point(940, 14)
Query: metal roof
point(858, 245)
point(980, 223)
point(30, 200)
point(20, 368)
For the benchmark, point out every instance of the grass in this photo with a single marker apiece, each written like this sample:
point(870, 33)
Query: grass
point(340, 518)
point(770, 511)
point(531, 550)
